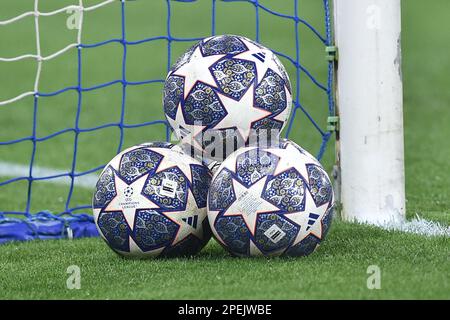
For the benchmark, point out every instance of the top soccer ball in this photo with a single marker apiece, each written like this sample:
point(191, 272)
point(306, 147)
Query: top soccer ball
point(226, 88)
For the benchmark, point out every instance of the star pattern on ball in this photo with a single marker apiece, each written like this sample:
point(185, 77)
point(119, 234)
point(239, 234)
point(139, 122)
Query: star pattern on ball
point(261, 57)
point(249, 203)
point(181, 218)
point(186, 132)
point(300, 164)
point(129, 204)
point(173, 159)
point(199, 71)
point(234, 117)
point(309, 220)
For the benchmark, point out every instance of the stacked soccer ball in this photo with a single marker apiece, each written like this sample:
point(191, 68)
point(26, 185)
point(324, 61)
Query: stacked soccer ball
point(227, 99)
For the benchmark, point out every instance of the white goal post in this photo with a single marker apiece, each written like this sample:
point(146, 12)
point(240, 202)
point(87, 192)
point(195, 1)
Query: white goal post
point(370, 109)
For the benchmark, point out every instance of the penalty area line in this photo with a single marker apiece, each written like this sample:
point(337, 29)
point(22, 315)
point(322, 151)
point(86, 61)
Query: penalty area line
point(15, 170)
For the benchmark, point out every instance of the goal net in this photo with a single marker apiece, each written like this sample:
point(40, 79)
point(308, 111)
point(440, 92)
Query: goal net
point(82, 80)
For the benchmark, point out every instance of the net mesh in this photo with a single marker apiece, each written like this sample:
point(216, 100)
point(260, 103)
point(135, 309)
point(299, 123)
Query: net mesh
point(75, 220)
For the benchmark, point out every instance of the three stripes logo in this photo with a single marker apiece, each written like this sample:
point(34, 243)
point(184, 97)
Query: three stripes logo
point(312, 218)
point(261, 56)
point(192, 221)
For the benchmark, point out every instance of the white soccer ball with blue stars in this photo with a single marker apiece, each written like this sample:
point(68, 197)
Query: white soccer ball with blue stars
point(150, 200)
point(270, 201)
point(226, 88)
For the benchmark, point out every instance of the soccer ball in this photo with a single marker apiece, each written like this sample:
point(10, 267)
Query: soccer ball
point(150, 200)
point(226, 89)
point(270, 201)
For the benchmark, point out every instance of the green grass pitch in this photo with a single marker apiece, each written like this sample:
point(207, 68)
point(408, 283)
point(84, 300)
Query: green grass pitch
point(411, 266)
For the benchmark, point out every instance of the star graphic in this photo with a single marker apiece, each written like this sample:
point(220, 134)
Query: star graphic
point(302, 218)
point(129, 205)
point(173, 158)
point(179, 217)
point(186, 132)
point(298, 162)
point(261, 67)
point(249, 203)
point(237, 115)
point(197, 69)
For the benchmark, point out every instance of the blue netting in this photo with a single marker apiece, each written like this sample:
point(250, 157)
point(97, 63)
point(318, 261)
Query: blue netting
point(73, 221)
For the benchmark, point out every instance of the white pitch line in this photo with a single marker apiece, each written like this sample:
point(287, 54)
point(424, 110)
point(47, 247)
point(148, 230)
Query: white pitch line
point(417, 225)
point(420, 226)
point(14, 170)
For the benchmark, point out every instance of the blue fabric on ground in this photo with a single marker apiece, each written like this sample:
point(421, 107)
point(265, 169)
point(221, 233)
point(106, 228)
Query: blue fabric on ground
point(24, 230)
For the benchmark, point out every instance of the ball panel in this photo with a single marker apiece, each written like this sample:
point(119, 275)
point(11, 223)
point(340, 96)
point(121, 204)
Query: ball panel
point(234, 233)
point(115, 230)
point(326, 221)
point(135, 163)
point(304, 247)
point(225, 44)
point(320, 185)
point(286, 191)
point(266, 126)
point(105, 190)
point(252, 165)
point(201, 180)
point(221, 193)
point(234, 76)
point(273, 233)
point(153, 230)
point(203, 106)
point(270, 94)
point(171, 197)
point(172, 95)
